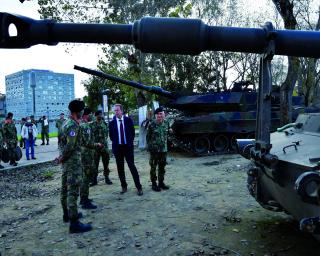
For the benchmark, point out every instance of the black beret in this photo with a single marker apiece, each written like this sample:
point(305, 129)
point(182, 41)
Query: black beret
point(87, 111)
point(160, 109)
point(98, 113)
point(76, 106)
point(61, 114)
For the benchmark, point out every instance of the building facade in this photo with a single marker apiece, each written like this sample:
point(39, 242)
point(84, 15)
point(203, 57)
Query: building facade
point(52, 93)
point(3, 109)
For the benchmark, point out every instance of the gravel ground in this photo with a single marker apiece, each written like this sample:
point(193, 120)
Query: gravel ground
point(206, 211)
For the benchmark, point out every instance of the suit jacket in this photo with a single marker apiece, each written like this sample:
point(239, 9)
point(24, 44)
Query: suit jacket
point(128, 129)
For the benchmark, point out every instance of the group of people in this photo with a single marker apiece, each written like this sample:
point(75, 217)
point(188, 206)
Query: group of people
point(29, 133)
point(83, 141)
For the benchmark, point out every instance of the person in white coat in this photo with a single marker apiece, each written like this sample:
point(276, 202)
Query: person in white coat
point(29, 133)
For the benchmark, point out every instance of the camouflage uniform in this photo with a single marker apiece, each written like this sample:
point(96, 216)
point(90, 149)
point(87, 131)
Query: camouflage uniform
point(59, 124)
point(10, 138)
point(157, 140)
point(71, 167)
point(87, 158)
point(44, 131)
point(100, 135)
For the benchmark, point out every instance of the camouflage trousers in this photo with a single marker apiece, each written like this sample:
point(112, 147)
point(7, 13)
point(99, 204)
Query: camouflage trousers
point(45, 134)
point(104, 154)
point(11, 147)
point(70, 184)
point(87, 171)
point(157, 159)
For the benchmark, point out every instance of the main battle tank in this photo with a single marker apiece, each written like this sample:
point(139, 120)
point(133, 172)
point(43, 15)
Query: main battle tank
point(287, 174)
point(207, 123)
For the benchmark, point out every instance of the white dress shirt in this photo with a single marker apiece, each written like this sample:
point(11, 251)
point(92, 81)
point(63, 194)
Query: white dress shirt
point(124, 131)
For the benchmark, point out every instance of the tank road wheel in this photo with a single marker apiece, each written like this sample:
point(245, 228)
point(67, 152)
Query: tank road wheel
point(220, 143)
point(201, 144)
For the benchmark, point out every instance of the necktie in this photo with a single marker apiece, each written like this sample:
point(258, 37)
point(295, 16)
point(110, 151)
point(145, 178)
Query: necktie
point(121, 133)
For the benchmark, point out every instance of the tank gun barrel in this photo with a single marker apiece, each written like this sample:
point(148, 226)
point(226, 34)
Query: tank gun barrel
point(152, 89)
point(159, 35)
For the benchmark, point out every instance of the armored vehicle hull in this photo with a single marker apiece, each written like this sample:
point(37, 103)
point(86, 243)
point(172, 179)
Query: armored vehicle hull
point(292, 184)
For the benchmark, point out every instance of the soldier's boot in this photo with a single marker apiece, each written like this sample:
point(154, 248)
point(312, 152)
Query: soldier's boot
point(66, 216)
point(1, 166)
point(155, 187)
point(94, 181)
point(77, 227)
point(107, 180)
point(87, 204)
point(83, 199)
point(163, 186)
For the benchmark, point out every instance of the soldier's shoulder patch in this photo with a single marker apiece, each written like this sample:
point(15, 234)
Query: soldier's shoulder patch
point(72, 133)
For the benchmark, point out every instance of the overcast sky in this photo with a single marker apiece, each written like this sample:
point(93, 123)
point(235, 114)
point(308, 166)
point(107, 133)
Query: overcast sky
point(52, 58)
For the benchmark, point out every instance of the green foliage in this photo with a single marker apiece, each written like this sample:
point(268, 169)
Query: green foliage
point(48, 174)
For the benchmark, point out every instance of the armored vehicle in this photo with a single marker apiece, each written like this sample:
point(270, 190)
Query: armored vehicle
point(207, 123)
point(287, 172)
point(291, 181)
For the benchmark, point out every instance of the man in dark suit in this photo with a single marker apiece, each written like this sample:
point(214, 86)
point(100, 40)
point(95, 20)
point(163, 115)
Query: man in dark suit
point(121, 133)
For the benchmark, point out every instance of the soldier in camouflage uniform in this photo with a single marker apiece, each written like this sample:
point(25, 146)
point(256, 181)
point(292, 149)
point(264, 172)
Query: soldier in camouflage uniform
point(44, 129)
point(87, 159)
point(70, 157)
point(100, 135)
point(59, 124)
point(157, 140)
point(10, 137)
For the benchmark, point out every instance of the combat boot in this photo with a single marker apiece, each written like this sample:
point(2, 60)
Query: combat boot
point(83, 200)
point(108, 181)
point(88, 205)
point(94, 181)
point(163, 186)
point(155, 187)
point(66, 216)
point(78, 227)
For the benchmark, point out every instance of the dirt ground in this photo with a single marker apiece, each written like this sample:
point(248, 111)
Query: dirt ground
point(207, 211)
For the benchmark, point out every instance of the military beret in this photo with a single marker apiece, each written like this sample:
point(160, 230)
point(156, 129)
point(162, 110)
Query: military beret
point(98, 113)
point(76, 106)
point(87, 111)
point(160, 109)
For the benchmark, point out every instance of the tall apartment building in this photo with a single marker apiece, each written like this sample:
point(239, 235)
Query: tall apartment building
point(53, 92)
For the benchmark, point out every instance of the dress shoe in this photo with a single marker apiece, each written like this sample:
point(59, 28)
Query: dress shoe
point(34, 158)
point(108, 181)
point(140, 192)
point(124, 190)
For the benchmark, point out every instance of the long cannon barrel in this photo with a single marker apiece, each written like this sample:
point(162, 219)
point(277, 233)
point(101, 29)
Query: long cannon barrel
point(159, 35)
point(152, 89)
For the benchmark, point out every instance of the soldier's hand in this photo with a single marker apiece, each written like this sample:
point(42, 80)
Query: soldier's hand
point(100, 145)
point(170, 131)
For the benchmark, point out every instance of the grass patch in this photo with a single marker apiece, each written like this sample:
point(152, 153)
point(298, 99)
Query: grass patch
point(48, 175)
